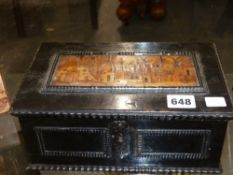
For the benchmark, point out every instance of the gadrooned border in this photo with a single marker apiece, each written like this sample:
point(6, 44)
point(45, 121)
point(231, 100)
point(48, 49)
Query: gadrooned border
point(223, 116)
point(125, 169)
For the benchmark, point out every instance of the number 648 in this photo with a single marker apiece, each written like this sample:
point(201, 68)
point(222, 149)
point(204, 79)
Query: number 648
point(181, 101)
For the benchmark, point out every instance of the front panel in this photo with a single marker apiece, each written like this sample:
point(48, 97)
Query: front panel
point(165, 144)
point(124, 143)
point(73, 141)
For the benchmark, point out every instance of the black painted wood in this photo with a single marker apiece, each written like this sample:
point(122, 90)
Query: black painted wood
point(88, 131)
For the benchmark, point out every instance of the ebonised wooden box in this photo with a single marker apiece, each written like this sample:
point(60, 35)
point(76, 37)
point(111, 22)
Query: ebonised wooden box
point(124, 107)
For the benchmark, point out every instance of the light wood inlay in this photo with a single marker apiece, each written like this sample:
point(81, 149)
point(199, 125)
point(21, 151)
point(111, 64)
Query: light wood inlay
point(126, 71)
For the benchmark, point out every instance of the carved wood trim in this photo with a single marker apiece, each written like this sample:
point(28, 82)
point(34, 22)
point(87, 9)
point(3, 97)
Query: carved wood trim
point(104, 132)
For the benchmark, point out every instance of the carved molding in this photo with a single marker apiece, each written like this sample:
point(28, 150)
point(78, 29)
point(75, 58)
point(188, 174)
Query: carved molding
point(134, 116)
point(140, 152)
point(125, 169)
point(104, 132)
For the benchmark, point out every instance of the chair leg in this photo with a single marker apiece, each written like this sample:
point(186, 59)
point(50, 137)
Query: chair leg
point(226, 18)
point(94, 14)
point(18, 18)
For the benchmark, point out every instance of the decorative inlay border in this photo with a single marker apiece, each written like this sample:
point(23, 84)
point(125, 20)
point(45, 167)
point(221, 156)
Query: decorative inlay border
point(104, 132)
point(48, 88)
point(139, 151)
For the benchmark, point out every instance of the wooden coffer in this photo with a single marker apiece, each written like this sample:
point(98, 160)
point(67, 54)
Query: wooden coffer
point(124, 107)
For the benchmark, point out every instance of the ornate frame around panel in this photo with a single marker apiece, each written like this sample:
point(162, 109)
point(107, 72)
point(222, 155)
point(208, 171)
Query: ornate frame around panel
point(88, 154)
point(138, 152)
point(202, 88)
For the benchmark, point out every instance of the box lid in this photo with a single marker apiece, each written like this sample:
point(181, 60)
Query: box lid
point(162, 80)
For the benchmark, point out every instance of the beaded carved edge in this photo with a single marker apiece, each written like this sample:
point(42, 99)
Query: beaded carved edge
point(126, 169)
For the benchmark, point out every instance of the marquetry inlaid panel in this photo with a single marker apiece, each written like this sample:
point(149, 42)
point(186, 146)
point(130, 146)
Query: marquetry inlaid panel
point(124, 71)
